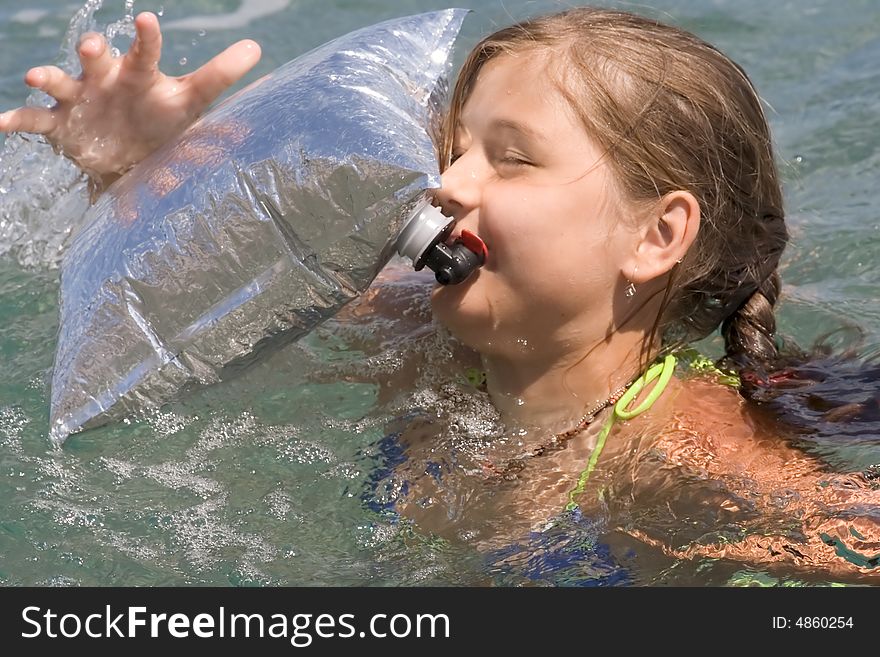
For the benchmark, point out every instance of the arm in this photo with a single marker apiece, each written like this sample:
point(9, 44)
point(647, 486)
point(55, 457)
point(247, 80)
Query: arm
point(121, 109)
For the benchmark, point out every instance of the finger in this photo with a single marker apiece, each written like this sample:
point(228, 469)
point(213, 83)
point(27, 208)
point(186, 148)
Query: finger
point(28, 119)
point(53, 81)
point(95, 56)
point(223, 70)
point(146, 50)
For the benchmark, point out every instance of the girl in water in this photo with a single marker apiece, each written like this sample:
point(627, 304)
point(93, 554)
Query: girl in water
point(621, 174)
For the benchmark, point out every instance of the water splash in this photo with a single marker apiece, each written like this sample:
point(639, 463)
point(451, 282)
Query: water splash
point(123, 27)
point(43, 196)
point(83, 21)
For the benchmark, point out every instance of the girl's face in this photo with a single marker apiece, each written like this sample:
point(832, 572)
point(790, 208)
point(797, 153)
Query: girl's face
point(529, 181)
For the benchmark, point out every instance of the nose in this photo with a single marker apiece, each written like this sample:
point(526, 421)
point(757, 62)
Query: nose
point(460, 187)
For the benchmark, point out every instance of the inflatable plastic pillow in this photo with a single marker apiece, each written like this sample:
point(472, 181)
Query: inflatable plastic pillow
point(263, 219)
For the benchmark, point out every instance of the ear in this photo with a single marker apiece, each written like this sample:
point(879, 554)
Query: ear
point(666, 237)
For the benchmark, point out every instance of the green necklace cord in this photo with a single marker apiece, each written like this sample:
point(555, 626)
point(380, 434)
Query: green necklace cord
point(663, 372)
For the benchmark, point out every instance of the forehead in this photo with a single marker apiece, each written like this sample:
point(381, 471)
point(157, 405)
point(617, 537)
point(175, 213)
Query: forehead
point(520, 89)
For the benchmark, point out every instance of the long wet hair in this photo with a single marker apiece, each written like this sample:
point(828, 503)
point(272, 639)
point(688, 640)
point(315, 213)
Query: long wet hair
point(671, 113)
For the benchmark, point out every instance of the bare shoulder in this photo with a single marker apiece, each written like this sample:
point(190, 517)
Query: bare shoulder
point(693, 415)
point(711, 425)
point(750, 492)
point(705, 442)
point(742, 442)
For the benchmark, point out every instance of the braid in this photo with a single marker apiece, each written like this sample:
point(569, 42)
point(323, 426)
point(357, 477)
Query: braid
point(749, 332)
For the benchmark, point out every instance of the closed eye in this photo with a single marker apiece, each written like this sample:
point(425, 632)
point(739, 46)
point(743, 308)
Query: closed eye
point(512, 160)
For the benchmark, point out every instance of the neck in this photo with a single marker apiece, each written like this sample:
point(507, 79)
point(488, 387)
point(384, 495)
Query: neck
point(554, 388)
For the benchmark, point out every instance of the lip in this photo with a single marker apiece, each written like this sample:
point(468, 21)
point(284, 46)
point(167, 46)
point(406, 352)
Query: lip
point(468, 237)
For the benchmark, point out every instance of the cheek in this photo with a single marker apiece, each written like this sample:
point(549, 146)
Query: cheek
point(554, 281)
point(515, 231)
point(547, 248)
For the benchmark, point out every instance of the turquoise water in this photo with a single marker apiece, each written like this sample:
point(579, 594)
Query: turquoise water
point(279, 476)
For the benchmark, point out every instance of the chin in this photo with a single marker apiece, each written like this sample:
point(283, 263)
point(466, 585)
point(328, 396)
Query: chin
point(458, 311)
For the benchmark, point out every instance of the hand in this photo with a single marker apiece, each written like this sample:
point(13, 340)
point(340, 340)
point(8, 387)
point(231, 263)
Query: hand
point(121, 109)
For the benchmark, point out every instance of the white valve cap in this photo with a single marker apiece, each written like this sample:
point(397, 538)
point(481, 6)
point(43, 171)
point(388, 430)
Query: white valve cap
point(424, 227)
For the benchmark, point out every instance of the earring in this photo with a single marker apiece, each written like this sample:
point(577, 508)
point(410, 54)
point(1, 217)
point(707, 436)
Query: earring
point(631, 288)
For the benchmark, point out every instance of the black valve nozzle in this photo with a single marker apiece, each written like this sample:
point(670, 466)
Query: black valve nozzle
point(452, 264)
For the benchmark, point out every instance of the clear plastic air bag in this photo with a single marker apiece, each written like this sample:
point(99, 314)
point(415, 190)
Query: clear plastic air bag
point(263, 219)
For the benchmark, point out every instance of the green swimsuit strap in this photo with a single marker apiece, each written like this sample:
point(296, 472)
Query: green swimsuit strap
point(662, 372)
